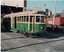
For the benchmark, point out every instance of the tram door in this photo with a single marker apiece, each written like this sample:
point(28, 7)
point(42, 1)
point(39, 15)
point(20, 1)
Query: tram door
point(7, 23)
point(33, 23)
point(15, 23)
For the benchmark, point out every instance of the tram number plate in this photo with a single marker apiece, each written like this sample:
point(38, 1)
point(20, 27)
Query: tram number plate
point(22, 25)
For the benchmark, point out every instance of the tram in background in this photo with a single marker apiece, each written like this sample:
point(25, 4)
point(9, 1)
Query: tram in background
point(58, 24)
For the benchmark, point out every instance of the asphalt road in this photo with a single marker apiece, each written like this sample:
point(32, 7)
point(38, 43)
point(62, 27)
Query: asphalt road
point(14, 42)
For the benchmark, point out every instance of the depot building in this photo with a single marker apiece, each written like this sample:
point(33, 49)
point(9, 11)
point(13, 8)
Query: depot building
point(12, 6)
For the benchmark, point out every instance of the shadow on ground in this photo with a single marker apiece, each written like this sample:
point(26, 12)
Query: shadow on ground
point(51, 35)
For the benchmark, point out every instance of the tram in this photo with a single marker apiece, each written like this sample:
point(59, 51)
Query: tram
point(27, 23)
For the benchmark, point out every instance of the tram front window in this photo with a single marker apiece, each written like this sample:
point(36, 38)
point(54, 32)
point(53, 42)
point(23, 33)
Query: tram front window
point(42, 19)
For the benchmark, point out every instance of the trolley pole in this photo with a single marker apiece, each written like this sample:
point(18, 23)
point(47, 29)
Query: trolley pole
point(54, 14)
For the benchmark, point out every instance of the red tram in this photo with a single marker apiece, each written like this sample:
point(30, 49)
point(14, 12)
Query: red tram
point(58, 24)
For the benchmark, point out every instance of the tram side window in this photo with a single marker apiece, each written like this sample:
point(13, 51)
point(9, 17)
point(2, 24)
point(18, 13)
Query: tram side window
point(42, 19)
point(27, 18)
point(22, 19)
point(37, 19)
point(19, 18)
point(31, 19)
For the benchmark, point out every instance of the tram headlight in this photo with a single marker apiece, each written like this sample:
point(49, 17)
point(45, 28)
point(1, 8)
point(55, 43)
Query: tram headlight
point(41, 29)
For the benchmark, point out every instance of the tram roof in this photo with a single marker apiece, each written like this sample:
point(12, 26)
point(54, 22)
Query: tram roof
point(26, 13)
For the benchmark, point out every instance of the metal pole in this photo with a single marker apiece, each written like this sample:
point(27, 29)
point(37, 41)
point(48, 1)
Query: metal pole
point(54, 14)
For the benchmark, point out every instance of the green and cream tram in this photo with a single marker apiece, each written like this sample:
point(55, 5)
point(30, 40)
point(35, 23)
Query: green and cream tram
point(27, 22)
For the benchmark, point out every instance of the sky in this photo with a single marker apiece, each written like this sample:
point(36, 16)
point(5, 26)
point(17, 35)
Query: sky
point(33, 4)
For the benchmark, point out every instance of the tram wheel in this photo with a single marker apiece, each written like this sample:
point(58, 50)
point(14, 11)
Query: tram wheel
point(26, 34)
point(17, 31)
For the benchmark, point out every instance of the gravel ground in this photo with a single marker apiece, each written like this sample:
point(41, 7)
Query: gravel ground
point(15, 42)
